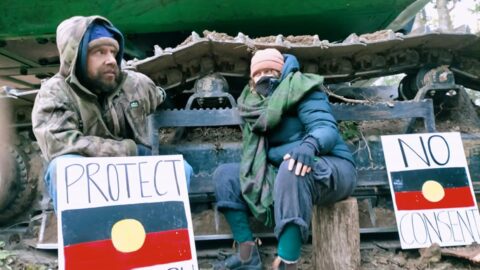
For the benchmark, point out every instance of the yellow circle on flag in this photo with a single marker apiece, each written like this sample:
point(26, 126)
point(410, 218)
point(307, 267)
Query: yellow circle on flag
point(433, 191)
point(128, 235)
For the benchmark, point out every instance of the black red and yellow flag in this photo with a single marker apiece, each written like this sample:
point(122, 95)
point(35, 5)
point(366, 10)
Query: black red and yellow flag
point(432, 189)
point(125, 236)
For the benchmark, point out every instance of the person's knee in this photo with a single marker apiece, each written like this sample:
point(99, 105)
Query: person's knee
point(285, 178)
point(224, 172)
point(50, 177)
point(225, 178)
point(350, 182)
point(284, 167)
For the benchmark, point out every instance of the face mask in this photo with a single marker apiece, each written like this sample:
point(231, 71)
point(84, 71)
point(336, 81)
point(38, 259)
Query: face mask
point(266, 85)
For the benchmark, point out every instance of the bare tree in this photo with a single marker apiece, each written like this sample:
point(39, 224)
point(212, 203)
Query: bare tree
point(420, 20)
point(444, 20)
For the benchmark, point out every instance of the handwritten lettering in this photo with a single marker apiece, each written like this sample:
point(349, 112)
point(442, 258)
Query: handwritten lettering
point(434, 145)
point(111, 182)
point(446, 226)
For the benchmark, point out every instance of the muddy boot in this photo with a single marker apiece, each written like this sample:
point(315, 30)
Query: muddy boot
point(247, 258)
point(279, 264)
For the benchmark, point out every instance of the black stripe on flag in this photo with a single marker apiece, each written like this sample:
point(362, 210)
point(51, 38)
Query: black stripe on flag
point(93, 224)
point(413, 180)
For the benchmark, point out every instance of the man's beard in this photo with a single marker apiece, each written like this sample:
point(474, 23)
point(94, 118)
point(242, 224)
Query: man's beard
point(101, 85)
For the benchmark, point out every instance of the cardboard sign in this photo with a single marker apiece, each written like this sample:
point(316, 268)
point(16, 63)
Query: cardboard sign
point(431, 190)
point(124, 213)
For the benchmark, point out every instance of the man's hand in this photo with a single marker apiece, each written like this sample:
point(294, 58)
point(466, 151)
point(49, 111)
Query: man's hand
point(303, 156)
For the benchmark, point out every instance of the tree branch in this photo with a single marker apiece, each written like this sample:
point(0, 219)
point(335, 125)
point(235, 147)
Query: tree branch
point(330, 93)
point(453, 6)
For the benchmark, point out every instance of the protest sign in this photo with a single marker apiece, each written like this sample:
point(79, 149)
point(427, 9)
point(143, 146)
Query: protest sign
point(431, 190)
point(124, 213)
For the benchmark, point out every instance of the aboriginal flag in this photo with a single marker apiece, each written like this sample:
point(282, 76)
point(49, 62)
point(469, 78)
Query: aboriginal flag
point(125, 236)
point(432, 189)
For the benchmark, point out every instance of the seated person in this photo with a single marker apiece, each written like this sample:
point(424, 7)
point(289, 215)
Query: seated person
point(293, 158)
point(91, 107)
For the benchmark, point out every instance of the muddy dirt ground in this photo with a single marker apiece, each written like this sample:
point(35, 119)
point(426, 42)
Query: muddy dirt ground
point(383, 255)
point(375, 255)
point(378, 251)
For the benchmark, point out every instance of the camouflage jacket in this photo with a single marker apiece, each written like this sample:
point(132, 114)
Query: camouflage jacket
point(68, 119)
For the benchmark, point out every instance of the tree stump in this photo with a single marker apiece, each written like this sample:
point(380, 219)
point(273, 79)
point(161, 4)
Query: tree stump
point(336, 236)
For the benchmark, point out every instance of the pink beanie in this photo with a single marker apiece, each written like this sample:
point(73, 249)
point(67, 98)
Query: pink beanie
point(266, 59)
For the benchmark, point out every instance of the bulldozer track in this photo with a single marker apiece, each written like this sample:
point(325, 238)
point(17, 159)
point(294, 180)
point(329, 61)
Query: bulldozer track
point(357, 57)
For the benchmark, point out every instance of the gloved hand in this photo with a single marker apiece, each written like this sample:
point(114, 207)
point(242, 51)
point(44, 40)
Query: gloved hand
point(143, 150)
point(302, 156)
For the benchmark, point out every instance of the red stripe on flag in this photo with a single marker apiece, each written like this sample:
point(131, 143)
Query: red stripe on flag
point(159, 248)
point(454, 198)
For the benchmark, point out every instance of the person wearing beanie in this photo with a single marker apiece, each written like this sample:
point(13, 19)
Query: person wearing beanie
point(265, 60)
point(91, 107)
point(293, 157)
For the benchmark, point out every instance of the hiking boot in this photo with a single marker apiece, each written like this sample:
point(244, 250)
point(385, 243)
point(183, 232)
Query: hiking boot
point(234, 262)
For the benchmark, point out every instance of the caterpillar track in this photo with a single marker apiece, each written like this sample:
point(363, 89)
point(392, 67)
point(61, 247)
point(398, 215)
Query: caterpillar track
point(356, 58)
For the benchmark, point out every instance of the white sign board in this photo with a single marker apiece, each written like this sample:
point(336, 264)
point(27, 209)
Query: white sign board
point(431, 190)
point(124, 213)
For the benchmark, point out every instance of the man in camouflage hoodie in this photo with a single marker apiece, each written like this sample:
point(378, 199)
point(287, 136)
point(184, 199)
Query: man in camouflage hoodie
point(91, 107)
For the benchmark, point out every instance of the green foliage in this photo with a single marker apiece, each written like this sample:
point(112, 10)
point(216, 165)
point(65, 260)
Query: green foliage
point(35, 267)
point(476, 8)
point(349, 130)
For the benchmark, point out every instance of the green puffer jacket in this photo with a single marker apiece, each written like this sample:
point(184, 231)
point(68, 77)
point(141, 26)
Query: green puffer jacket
point(67, 118)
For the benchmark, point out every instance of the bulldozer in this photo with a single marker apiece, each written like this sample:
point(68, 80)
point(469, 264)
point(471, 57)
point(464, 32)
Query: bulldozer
point(349, 42)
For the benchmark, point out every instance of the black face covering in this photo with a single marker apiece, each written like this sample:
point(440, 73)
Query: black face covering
point(266, 85)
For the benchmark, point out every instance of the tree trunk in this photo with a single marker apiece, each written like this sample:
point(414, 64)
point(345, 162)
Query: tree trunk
point(420, 20)
point(444, 21)
point(336, 236)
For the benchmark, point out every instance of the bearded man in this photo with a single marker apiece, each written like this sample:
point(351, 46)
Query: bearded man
point(91, 107)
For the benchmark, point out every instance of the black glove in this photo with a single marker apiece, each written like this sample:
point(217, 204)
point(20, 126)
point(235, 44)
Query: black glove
point(143, 150)
point(305, 154)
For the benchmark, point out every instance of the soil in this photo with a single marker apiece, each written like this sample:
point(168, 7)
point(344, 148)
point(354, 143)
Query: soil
point(301, 39)
point(377, 36)
point(217, 36)
point(393, 259)
point(200, 135)
point(17, 252)
point(374, 256)
point(305, 39)
point(458, 115)
point(209, 34)
point(371, 259)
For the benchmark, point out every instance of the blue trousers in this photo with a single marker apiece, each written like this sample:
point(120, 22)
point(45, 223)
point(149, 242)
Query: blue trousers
point(332, 179)
point(51, 177)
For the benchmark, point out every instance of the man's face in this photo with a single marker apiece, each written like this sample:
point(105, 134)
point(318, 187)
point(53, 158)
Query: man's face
point(102, 68)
